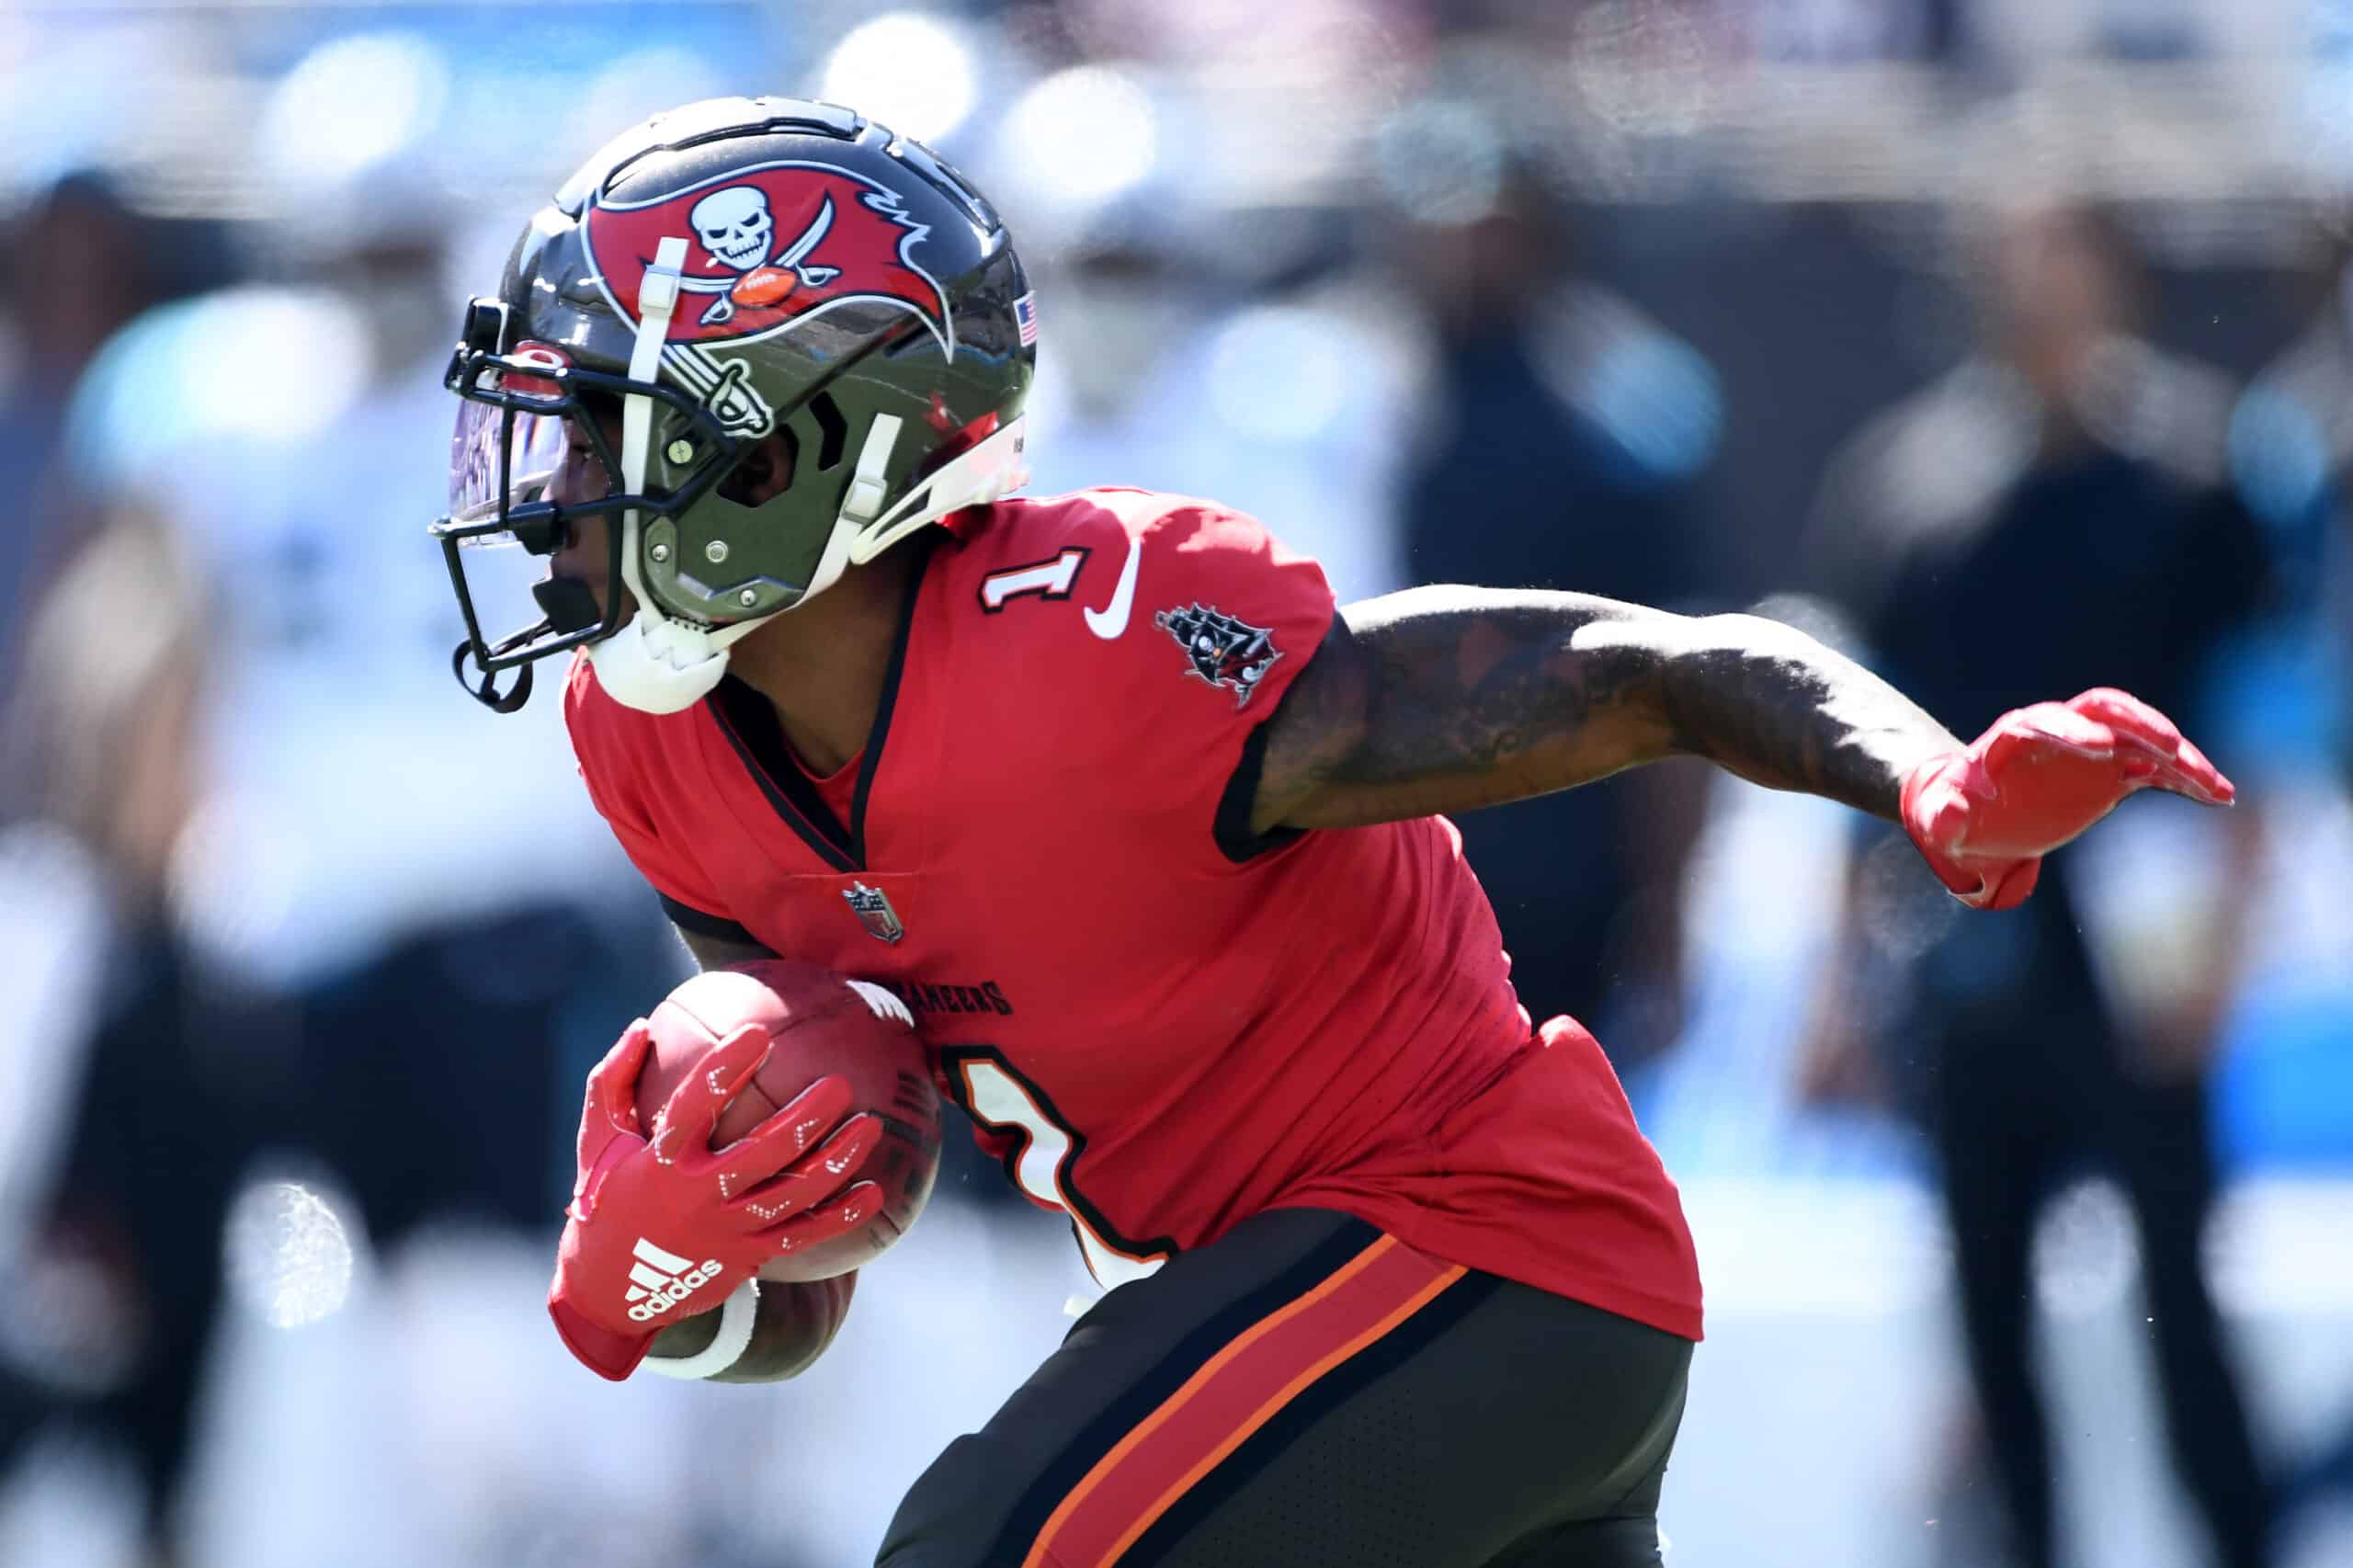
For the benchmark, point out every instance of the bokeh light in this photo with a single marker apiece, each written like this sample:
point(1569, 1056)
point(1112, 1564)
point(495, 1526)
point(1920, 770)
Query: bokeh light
point(1083, 135)
point(1440, 162)
point(289, 1254)
point(352, 102)
point(912, 72)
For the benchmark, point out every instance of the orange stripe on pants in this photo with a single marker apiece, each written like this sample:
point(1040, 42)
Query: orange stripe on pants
point(1237, 1392)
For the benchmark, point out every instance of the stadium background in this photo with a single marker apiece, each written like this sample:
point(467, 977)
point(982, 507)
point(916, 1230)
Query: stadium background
point(304, 954)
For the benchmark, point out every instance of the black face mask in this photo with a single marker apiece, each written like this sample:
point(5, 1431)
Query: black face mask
point(520, 401)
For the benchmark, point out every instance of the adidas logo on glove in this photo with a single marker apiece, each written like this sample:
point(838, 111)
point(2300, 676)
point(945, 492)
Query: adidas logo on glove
point(663, 1280)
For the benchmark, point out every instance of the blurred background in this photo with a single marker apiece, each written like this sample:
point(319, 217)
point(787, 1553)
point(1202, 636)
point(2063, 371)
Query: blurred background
point(2008, 346)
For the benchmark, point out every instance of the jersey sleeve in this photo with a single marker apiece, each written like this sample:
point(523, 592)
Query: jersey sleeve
point(617, 789)
point(1191, 622)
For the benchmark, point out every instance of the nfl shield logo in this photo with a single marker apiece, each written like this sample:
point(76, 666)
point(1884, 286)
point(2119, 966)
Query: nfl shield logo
point(873, 910)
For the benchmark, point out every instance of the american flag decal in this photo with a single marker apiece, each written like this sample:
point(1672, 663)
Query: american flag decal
point(1025, 312)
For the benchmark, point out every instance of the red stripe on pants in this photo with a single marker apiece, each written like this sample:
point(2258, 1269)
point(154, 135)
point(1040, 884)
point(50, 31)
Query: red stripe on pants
point(1233, 1395)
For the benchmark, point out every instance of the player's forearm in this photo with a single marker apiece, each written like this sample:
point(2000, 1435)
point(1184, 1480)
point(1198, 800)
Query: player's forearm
point(1768, 703)
point(794, 1325)
point(1444, 699)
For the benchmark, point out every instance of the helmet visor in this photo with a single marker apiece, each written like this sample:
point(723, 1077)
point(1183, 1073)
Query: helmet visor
point(503, 453)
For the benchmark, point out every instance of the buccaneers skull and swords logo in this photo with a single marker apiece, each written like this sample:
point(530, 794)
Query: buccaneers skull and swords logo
point(737, 230)
point(771, 247)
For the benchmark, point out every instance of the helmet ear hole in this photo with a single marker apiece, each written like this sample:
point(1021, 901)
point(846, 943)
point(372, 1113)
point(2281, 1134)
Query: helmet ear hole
point(764, 472)
point(831, 428)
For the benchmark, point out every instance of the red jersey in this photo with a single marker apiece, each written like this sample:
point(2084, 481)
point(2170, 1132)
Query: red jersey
point(1161, 1022)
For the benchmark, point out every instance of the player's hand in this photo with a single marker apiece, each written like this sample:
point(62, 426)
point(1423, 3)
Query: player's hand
point(1984, 816)
point(663, 1226)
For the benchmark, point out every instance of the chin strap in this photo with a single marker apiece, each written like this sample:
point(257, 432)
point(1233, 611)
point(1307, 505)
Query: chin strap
point(655, 663)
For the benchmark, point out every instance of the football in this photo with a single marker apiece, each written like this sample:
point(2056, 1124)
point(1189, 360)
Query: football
point(819, 1024)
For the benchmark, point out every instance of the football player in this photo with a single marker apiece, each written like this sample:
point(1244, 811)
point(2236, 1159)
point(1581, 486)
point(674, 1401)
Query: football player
point(1147, 831)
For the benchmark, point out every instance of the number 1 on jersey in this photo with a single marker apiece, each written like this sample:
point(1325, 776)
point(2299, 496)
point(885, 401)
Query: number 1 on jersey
point(1043, 1167)
point(1046, 579)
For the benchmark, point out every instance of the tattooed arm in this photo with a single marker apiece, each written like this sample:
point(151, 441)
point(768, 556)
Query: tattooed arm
point(1442, 700)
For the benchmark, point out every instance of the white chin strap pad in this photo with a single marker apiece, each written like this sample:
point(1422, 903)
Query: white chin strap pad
point(653, 663)
point(659, 665)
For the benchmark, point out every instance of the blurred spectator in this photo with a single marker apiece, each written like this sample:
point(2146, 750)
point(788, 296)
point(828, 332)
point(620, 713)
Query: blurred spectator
point(178, 1069)
point(1561, 430)
point(329, 909)
point(2291, 454)
point(2050, 516)
point(2292, 450)
point(1166, 366)
point(495, 944)
point(77, 268)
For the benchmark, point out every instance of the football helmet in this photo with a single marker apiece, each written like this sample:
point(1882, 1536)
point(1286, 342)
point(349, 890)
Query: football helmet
point(726, 272)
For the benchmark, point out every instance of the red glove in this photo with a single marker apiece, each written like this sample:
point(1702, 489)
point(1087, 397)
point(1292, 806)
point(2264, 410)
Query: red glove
point(1984, 817)
point(664, 1229)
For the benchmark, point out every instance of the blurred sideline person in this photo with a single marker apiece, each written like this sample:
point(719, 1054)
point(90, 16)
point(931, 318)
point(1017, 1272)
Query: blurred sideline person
point(1561, 430)
point(178, 1078)
point(78, 264)
point(411, 941)
point(2293, 449)
point(300, 956)
point(1391, 1272)
point(1176, 369)
point(2066, 451)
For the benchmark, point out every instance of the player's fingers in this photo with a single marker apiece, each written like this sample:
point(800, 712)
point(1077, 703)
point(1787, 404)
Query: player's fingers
point(2188, 773)
point(845, 1153)
point(2216, 786)
point(2153, 753)
point(2043, 727)
point(786, 1136)
point(2127, 715)
point(609, 1107)
point(810, 1180)
point(2010, 888)
point(844, 1214)
point(2179, 766)
point(691, 1113)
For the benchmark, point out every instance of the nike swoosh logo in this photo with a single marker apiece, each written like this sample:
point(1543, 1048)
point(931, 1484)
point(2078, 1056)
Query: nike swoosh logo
point(1112, 620)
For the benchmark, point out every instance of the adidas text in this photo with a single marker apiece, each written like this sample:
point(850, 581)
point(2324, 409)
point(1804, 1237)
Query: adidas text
point(663, 1280)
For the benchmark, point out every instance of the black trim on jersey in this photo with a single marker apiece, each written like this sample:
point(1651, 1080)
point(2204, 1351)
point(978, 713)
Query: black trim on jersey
point(686, 918)
point(876, 738)
point(1234, 838)
point(952, 1056)
point(750, 724)
point(1295, 1420)
point(1149, 1393)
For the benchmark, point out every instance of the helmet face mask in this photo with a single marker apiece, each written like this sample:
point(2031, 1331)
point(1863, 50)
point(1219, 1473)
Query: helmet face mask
point(521, 404)
point(736, 274)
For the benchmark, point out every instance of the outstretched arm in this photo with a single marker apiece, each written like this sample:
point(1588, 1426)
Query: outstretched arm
point(1443, 699)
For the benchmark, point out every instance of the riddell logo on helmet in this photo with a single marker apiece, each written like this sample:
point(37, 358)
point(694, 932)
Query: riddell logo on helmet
point(661, 1280)
point(770, 247)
